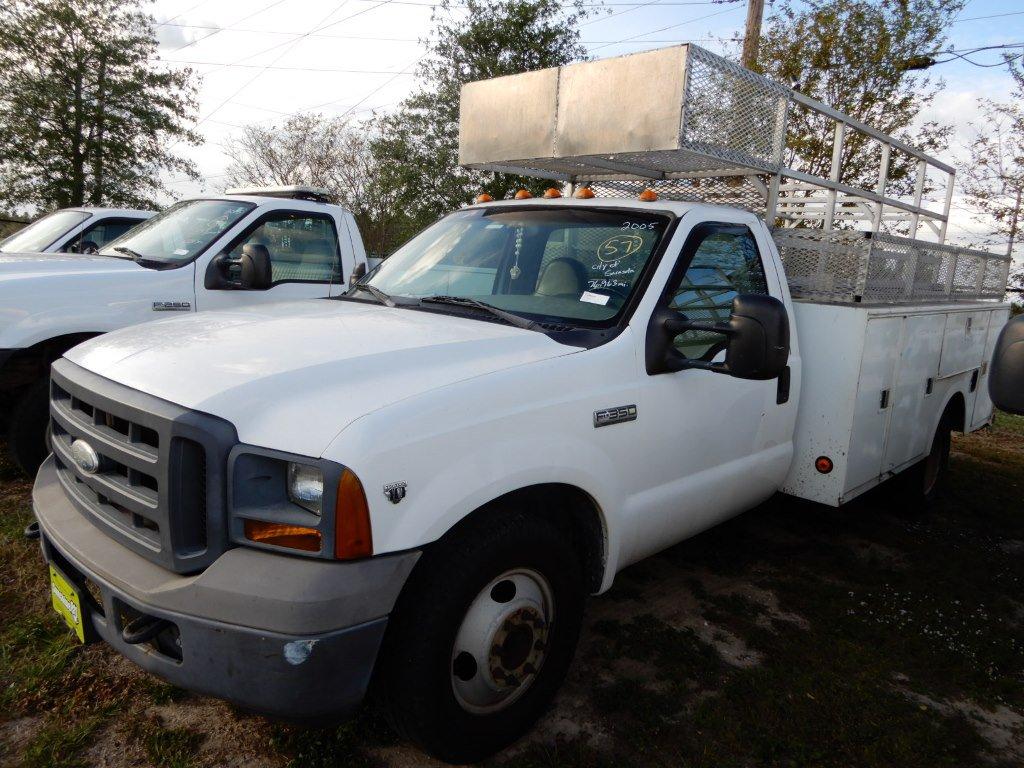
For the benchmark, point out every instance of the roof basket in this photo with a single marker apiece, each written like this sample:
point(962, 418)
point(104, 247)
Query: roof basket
point(683, 113)
point(290, 191)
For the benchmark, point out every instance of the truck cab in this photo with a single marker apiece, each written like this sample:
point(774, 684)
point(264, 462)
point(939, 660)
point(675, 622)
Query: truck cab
point(74, 230)
point(197, 255)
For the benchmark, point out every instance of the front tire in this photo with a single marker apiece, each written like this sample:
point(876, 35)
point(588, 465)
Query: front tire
point(482, 636)
point(27, 434)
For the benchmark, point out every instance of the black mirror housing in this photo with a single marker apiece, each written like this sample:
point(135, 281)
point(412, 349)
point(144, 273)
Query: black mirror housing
point(759, 345)
point(757, 333)
point(358, 273)
point(256, 270)
point(252, 271)
point(1006, 376)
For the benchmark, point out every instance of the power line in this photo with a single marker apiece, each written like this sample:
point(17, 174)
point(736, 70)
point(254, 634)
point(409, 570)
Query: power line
point(251, 80)
point(221, 29)
point(993, 16)
point(670, 26)
point(295, 69)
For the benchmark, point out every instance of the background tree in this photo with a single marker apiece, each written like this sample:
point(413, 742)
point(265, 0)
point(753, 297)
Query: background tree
point(319, 151)
point(854, 55)
point(993, 176)
point(416, 148)
point(87, 116)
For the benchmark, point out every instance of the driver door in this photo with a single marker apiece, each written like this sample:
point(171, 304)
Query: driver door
point(305, 259)
point(714, 445)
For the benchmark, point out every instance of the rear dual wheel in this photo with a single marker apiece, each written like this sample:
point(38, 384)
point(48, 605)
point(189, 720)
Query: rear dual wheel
point(482, 636)
point(922, 484)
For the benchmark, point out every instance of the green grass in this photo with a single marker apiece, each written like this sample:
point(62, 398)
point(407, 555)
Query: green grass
point(60, 743)
point(172, 747)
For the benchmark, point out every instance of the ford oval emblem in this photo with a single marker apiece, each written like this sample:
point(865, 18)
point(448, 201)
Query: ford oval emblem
point(85, 457)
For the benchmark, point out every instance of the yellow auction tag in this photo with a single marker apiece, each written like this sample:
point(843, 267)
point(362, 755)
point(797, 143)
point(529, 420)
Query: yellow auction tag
point(67, 602)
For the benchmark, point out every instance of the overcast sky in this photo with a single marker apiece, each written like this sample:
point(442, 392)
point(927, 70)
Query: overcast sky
point(262, 60)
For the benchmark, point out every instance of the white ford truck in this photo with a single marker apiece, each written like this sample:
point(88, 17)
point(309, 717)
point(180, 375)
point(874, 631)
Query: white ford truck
point(412, 488)
point(74, 230)
point(251, 247)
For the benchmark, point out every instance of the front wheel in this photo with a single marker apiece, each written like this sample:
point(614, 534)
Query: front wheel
point(27, 435)
point(482, 637)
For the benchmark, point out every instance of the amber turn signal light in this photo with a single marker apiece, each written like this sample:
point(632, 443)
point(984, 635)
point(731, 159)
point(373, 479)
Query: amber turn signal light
point(483, 197)
point(523, 194)
point(353, 537)
point(584, 193)
point(823, 464)
point(281, 535)
point(551, 192)
point(648, 196)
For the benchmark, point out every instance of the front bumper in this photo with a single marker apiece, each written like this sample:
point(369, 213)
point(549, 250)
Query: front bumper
point(281, 635)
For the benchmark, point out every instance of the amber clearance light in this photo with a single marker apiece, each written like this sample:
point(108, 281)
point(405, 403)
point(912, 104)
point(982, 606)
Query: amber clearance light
point(523, 194)
point(281, 535)
point(550, 193)
point(353, 537)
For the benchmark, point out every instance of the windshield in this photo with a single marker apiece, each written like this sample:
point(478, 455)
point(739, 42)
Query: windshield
point(180, 233)
point(559, 264)
point(41, 234)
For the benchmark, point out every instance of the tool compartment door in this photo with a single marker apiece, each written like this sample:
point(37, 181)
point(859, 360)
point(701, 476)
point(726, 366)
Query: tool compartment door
point(963, 344)
point(913, 400)
point(873, 401)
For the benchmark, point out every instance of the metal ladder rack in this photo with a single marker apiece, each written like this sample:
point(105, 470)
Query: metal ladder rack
point(695, 126)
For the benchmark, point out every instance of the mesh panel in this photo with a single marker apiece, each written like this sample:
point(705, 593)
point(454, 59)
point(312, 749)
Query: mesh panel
point(732, 114)
point(746, 192)
point(853, 267)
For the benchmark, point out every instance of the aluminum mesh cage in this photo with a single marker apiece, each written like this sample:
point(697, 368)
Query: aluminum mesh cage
point(845, 266)
point(732, 114)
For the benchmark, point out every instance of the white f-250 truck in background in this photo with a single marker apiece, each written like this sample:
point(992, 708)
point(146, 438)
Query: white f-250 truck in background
point(415, 485)
point(248, 247)
point(74, 230)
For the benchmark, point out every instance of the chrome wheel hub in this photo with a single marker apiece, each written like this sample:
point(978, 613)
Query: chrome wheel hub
point(502, 641)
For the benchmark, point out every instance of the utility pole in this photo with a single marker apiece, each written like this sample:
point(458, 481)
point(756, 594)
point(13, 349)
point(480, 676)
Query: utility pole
point(752, 35)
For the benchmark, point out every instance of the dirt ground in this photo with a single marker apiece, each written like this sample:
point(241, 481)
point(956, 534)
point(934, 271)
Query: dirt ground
point(795, 635)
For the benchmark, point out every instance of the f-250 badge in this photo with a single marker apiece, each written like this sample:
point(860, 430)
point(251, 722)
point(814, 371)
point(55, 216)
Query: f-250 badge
point(172, 306)
point(395, 492)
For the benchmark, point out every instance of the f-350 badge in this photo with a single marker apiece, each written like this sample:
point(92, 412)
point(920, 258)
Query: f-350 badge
point(395, 492)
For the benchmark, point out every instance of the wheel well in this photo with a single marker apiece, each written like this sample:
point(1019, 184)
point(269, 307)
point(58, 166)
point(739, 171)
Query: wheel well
point(571, 509)
point(26, 366)
point(956, 412)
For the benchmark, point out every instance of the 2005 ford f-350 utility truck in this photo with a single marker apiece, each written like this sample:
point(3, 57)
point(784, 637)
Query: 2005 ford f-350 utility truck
point(418, 483)
point(250, 247)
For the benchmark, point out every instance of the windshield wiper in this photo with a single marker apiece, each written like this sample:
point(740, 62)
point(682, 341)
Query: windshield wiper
point(508, 317)
point(377, 293)
point(134, 255)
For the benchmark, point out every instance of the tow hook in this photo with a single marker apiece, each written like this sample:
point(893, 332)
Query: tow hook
point(32, 531)
point(143, 629)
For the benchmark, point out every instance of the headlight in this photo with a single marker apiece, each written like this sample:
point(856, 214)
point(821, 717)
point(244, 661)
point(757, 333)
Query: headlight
point(306, 486)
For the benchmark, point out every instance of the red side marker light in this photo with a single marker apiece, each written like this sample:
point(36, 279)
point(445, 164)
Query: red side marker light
point(823, 464)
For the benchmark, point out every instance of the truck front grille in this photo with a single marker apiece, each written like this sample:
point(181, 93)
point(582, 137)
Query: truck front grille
point(158, 486)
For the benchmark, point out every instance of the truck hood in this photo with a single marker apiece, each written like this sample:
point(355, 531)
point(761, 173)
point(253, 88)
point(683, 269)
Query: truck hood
point(18, 266)
point(291, 376)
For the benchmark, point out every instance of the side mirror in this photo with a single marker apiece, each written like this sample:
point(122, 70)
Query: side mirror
point(358, 273)
point(757, 336)
point(252, 271)
point(257, 271)
point(1006, 377)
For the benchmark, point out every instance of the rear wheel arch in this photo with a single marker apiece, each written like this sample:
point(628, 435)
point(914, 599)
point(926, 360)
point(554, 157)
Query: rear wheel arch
point(955, 413)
